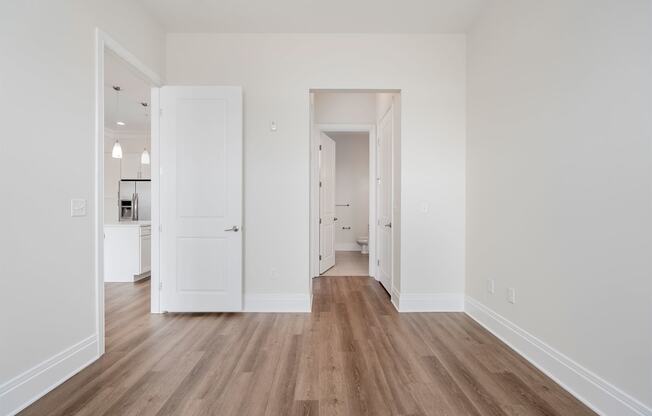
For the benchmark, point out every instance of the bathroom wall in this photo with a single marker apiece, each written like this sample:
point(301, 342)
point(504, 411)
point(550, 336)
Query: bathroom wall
point(351, 187)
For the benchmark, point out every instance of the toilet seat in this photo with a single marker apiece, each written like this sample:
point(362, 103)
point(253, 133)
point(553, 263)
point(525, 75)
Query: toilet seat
point(364, 244)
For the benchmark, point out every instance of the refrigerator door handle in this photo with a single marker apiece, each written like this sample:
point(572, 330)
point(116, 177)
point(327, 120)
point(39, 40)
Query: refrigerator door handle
point(134, 207)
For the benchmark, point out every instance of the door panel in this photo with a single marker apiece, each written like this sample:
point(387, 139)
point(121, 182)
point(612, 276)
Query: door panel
point(201, 198)
point(326, 203)
point(384, 195)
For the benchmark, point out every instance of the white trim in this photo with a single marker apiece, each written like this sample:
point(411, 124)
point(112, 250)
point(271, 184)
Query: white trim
point(26, 388)
point(394, 297)
point(428, 302)
point(155, 293)
point(314, 189)
point(273, 302)
point(601, 396)
point(104, 42)
point(123, 53)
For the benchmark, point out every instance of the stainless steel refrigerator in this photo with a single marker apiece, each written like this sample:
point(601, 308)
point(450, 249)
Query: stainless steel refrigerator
point(135, 202)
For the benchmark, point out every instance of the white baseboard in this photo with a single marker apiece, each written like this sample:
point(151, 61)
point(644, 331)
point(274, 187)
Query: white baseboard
point(428, 302)
point(263, 302)
point(394, 297)
point(598, 394)
point(26, 388)
point(347, 247)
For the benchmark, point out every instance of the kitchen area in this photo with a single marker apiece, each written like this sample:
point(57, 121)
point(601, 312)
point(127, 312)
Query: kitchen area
point(127, 175)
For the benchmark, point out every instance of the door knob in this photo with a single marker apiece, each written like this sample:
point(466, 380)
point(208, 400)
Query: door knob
point(234, 229)
point(388, 225)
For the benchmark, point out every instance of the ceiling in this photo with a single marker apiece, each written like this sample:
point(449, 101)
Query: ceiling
point(337, 135)
point(134, 91)
point(315, 16)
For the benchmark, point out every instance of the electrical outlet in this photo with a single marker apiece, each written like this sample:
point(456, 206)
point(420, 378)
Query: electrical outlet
point(511, 295)
point(491, 288)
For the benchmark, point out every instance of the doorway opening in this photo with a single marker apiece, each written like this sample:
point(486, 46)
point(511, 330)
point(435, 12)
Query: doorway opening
point(125, 200)
point(352, 217)
point(355, 184)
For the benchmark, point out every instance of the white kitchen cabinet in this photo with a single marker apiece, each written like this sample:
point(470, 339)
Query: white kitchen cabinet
point(111, 176)
point(130, 166)
point(145, 171)
point(127, 251)
point(111, 183)
point(145, 249)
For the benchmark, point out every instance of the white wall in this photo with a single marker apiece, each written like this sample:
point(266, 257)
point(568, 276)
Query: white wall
point(559, 178)
point(277, 71)
point(130, 141)
point(351, 187)
point(345, 108)
point(47, 289)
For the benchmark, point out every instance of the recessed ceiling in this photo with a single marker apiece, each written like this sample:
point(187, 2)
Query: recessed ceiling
point(315, 16)
point(134, 90)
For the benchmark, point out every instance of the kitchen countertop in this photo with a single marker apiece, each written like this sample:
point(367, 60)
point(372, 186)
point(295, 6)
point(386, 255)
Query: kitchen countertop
point(129, 224)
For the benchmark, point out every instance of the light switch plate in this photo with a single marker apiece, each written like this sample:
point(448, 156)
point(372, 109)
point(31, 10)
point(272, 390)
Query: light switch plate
point(273, 126)
point(511, 295)
point(491, 288)
point(77, 207)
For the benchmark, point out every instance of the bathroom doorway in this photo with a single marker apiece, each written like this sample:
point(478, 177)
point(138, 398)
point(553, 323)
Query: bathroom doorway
point(354, 191)
point(344, 166)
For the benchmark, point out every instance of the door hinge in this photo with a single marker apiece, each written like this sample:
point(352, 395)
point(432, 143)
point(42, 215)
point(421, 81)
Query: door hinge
point(320, 184)
point(160, 285)
point(160, 228)
point(160, 112)
point(320, 257)
point(378, 262)
point(320, 220)
point(320, 147)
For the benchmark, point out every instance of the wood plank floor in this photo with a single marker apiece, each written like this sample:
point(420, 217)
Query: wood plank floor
point(353, 355)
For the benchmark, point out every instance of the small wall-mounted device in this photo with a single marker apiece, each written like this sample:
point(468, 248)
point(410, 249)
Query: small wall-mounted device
point(273, 126)
point(77, 207)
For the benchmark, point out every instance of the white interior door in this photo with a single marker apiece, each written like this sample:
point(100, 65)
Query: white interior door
point(326, 203)
point(384, 200)
point(201, 199)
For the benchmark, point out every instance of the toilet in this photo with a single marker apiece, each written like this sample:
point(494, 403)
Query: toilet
point(364, 244)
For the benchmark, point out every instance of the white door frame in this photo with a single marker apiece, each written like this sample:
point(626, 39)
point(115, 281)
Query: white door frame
point(103, 43)
point(314, 189)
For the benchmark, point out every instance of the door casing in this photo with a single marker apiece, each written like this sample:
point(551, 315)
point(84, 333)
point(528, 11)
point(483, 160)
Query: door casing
point(104, 43)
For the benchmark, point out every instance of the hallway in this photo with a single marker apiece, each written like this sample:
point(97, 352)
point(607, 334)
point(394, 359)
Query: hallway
point(353, 355)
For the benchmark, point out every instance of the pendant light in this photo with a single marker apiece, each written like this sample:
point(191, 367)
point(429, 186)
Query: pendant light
point(144, 157)
point(116, 152)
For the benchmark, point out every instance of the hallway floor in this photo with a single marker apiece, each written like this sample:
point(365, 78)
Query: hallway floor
point(353, 355)
point(349, 263)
